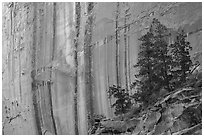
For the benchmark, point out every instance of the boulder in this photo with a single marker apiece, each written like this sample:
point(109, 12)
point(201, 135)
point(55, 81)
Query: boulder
point(151, 120)
point(139, 127)
point(114, 125)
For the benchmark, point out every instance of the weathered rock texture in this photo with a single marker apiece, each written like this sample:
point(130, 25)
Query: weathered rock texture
point(60, 58)
point(177, 113)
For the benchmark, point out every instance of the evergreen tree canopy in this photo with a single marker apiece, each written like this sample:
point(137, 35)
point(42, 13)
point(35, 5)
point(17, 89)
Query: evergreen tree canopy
point(123, 101)
point(160, 65)
point(181, 61)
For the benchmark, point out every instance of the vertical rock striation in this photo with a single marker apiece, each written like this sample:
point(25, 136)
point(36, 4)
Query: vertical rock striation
point(59, 59)
point(88, 62)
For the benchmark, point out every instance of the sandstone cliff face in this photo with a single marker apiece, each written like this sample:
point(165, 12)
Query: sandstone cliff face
point(175, 16)
point(58, 59)
point(40, 68)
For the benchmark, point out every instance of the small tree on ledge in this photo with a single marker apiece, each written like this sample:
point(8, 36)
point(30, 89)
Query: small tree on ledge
point(123, 101)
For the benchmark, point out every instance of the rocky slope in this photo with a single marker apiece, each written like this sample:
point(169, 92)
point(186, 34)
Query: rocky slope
point(177, 113)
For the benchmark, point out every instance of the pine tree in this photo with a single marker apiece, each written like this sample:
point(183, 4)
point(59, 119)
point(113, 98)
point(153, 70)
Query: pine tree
point(161, 53)
point(153, 64)
point(123, 101)
point(145, 65)
point(181, 61)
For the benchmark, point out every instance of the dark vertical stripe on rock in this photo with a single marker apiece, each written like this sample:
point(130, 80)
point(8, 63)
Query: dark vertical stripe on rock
point(128, 54)
point(77, 29)
point(51, 106)
point(125, 41)
point(52, 58)
point(12, 47)
point(88, 61)
point(33, 74)
point(19, 74)
point(117, 45)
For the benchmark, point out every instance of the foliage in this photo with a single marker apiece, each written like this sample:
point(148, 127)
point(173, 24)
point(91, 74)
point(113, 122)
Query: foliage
point(160, 65)
point(123, 99)
point(153, 63)
point(181, 61)
point(98, 117)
